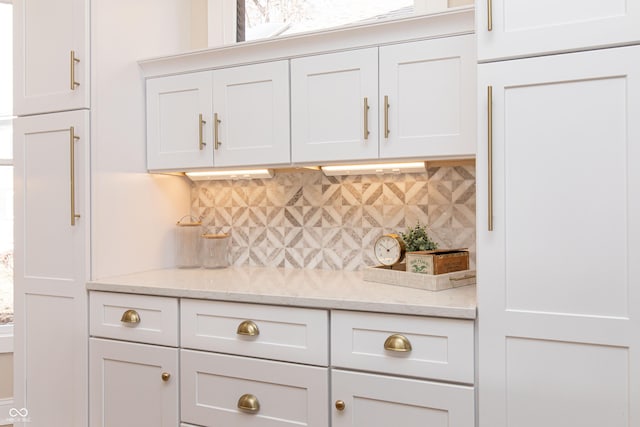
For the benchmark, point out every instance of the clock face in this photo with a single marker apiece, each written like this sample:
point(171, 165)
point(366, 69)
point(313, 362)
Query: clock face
point(389, 249)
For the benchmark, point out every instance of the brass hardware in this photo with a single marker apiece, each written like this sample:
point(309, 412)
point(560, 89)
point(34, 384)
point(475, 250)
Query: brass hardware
point(72, 173)
point(216, 122)
point(456, 279)
point(201, 142)
point(165, 376)
point(249, 403)
point(366, 118)
point(489, 16)
point(340, 405)
point(490, 155)
point(248, 328)
point(397, 342)
point(386, 116)
point(130, 316)
point(73, 62)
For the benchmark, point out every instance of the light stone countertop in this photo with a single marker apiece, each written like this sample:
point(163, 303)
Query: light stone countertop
point(292, 287)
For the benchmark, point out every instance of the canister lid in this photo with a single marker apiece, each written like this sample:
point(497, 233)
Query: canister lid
point(215, 236)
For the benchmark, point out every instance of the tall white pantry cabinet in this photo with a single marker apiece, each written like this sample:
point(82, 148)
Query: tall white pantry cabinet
point(558, 214)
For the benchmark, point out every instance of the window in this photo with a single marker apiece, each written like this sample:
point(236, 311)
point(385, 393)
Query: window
point(6, 164)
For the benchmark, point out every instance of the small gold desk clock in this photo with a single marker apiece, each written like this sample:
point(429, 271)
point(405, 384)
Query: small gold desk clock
point(389, 249)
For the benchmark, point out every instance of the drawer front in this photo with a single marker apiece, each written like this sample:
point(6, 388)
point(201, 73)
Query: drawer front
point(157, 318)
point(215, 386)
point(282, 333)
point(369, 400)
point(441, 349)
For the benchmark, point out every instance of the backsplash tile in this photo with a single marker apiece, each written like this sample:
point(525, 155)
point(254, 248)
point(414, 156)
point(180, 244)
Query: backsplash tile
point(308, 220)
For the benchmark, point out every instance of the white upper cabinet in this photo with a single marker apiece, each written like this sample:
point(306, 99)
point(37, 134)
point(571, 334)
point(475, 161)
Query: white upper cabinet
point(525, 28)
point(251, 104)
point(427, 98)
point(51, 55)
point(179, 121)
point(334, 107)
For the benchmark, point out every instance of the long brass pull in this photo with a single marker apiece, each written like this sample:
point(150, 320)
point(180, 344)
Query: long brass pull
point(490, 156)
point(216, 123)
point(489, 15)
point(249, 403)
point(366, 118)
point(386, 116)
point(248, 328)
point(73, 62)
point(72, 173)
point(201, 143)
point(397, 342)
point(130, 316)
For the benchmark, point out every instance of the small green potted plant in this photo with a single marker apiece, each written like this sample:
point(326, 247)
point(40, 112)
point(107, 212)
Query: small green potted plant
point(417, 242)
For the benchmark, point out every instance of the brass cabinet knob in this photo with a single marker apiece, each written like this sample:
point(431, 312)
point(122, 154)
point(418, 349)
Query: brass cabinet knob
point(340, 405)
point(165, 376)
point(130, 316)
point(397, 342)
point(248, 328)
point(248, 403)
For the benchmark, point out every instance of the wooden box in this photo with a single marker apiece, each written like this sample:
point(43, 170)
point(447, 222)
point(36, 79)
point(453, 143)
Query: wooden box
point(400, 277)
point(438, 261)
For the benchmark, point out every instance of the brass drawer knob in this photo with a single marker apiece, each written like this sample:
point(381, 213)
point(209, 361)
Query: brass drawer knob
point(166, 376)
point(131, 317)
point(248, 403)
point(248, 328)
point(397, 342)
point(340, 405)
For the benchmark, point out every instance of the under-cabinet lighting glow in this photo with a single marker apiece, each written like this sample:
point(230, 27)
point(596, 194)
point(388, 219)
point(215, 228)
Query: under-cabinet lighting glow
point(377, 169)
point(230, 174)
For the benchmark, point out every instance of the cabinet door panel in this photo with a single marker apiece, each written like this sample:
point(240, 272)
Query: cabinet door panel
point(252, 103)
point(127, 388)
point(174, 105)
point(430, 87)
point(524, 28)
point(327, 106)
point(45, 34)
point(558, 297)
point(380, 401)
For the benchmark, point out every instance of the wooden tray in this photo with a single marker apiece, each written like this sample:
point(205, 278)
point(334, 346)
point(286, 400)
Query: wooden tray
point(399, 277)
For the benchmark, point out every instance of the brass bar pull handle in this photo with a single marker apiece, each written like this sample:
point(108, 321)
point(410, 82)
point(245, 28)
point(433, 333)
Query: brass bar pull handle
point(249, 403)
point(73, 62)
point(489, 15)
point(386, 116)
point(130, 316)
point(201, 123)
point(490, 156)
point(366, 118)
point(72, 173)
point(216, 122)
point(248, 328)
point(397, 342)
point(165, 376)
point(457, 279)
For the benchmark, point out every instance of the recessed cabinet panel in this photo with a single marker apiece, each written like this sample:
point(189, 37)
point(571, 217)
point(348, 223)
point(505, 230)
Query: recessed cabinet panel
point(430, 90)
point(524, 28)
point(328, 113)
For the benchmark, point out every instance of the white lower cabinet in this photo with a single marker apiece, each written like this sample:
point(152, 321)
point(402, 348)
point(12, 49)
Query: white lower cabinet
point(368, 400)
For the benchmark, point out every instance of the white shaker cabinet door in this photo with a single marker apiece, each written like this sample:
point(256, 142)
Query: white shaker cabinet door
point(179, 122)
point(133, 385)
point(330, 94)
point(559, 282)
point(251, 104)
point(368, 400)
point(51, 55)
point(51, 267)
point(427, 98)
point(527, 28)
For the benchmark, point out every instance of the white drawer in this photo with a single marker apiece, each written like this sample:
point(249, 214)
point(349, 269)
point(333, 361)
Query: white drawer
point(212, 386)
point(284, 333)
point(441, 349)
point(158, 318)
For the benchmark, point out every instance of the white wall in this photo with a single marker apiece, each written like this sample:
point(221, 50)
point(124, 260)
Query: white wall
point(133, 213)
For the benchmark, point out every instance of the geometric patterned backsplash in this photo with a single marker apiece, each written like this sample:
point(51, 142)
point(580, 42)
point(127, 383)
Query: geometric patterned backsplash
point(304, 219)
